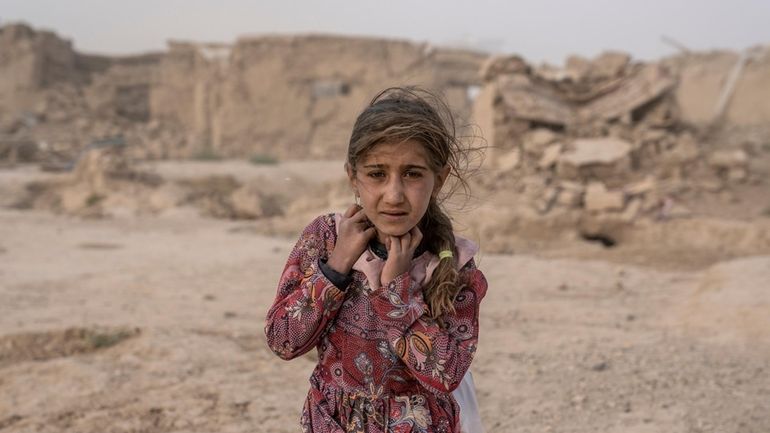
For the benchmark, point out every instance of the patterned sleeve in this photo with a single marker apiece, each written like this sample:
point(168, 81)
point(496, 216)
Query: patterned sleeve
point(306, 299)
point(437, 356)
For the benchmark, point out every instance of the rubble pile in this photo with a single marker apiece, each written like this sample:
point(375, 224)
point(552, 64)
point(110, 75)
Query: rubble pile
point(226, 197)
point(101, 183)
point(602, 139)
point(106, 182)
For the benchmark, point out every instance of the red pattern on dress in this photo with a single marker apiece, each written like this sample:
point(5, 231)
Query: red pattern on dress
point(383, 364)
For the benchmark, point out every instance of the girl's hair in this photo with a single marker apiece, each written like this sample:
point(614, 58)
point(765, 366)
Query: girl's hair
point(398, 114)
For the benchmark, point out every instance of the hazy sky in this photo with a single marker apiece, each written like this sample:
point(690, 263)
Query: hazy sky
point(537, 29)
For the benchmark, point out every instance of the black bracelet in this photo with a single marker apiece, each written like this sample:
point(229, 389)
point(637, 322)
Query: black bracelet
point(340, 280)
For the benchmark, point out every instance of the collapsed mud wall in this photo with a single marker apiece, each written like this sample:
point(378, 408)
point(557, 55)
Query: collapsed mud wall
point(54, 101)
point(288, 97)
point(294, 97)
point(741, 79)
point(29, 62)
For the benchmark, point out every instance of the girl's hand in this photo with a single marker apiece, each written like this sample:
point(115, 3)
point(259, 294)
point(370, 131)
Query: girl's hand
point(400, 252)
point(355, 231)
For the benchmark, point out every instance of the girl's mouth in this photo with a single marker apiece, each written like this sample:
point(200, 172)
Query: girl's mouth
point(394, 215)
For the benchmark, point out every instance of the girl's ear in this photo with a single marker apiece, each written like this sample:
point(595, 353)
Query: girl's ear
point(351, 177)
point(441, 177)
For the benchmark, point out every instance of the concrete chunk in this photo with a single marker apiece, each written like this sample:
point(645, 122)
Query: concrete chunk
point(597, 151)
point(728, 159)
point(569, 197)
point(595, 158)
point(642, 187)
point(685, 150)
point(537, 140)
point(610, 64)
point(599, 199)
point(550, 156)
point(509, 161)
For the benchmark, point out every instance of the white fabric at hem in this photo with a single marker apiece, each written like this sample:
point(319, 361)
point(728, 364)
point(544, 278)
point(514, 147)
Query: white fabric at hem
point(465, 395)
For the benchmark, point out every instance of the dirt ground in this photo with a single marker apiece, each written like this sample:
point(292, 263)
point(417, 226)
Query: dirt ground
point(154, 324)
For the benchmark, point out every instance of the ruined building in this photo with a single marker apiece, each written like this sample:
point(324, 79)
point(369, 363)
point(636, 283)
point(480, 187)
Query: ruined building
point(283, 96)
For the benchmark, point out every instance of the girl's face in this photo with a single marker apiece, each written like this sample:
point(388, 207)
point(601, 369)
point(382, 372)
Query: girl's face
point(395, 183)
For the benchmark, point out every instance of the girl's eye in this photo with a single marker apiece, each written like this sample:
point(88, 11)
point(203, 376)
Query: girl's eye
point(413, 174)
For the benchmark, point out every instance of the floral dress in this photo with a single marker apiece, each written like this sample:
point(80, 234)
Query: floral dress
point(383, 364)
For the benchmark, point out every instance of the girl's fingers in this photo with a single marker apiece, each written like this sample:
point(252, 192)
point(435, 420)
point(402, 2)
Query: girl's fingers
point(416, 238)
point(370, 232)
point(395, 245)
point(351, 210)
point(405, 241)
point(359, 216)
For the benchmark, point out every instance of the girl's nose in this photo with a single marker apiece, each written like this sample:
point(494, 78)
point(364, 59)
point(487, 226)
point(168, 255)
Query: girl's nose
point(394, 193)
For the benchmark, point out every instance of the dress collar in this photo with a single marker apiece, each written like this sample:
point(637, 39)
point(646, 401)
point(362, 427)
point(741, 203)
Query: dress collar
point(378, 249)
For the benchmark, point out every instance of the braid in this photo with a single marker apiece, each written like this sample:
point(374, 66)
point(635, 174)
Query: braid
point(443, 286)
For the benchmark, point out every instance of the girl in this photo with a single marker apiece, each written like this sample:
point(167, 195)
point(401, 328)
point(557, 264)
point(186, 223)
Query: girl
point(385, 292)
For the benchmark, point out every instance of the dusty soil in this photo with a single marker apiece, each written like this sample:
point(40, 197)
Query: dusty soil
point(154, 324)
